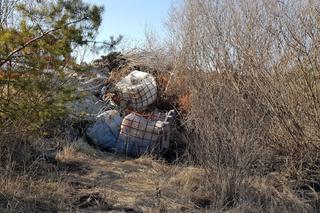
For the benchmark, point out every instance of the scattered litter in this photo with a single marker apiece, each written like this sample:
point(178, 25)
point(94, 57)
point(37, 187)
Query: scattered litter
point(103, 90)
point(137, 90)
point(145, 134)
point(91, 200)
point(135, 133)
point(105, 131)
point(85, 107)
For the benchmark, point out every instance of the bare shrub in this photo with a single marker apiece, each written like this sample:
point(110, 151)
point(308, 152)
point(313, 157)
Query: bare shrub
point(254, 87)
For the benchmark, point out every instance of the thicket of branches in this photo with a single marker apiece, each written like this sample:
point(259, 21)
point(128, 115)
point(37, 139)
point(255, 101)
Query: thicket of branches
point(253, 77)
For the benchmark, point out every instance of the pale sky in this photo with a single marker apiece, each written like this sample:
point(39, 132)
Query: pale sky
point(130, 18)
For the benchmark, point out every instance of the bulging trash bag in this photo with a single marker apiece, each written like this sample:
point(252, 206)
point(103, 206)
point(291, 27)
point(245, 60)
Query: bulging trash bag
point(140, 135)
point(105, 131)
point(138, 89)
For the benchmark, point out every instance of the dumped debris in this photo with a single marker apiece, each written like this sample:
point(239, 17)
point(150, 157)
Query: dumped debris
point(127, 124)
point(133, 135)
point(111, 62)
point(88, 85)
point(105, 131)
point(85, 107)
point(145, 134)
point(137, 90)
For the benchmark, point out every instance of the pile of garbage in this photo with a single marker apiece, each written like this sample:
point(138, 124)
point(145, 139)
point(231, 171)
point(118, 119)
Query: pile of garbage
point(111, 62)
point(128, 125)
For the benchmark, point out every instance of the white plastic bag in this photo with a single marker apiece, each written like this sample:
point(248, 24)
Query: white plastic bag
point(141, 135)
point(138, 127)
point(138, 90)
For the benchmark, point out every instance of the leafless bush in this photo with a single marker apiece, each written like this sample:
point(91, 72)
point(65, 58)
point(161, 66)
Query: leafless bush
point(254, 83)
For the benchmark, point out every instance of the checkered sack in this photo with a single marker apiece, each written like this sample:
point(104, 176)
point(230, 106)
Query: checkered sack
point(142, 135)
point(137, 90)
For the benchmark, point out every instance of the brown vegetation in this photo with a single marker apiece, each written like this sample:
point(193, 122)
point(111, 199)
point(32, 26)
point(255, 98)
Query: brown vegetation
point(255, 100)
point(244, 78)
point(81, 178)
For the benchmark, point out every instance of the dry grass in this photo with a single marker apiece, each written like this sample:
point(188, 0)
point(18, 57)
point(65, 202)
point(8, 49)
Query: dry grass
point(142, 184)
point(150, 185)
point(28, 183)
point(79, 172)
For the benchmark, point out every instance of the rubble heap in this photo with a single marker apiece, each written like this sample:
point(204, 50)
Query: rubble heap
point(111, 62)
point(130, 122)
